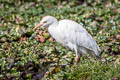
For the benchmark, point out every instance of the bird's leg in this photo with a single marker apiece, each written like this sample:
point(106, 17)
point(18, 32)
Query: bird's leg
point(77, 58)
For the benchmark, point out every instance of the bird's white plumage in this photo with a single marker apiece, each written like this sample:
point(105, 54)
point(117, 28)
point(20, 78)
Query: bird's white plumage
point(70, 33)
point(73, 35)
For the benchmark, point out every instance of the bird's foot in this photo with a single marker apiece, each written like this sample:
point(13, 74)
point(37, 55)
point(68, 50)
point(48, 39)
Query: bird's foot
point(77, 59)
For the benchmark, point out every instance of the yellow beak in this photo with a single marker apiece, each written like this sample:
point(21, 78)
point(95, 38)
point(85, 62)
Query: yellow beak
point(39, 25)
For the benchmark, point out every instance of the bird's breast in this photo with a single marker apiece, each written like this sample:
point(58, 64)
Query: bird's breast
point(57, 35)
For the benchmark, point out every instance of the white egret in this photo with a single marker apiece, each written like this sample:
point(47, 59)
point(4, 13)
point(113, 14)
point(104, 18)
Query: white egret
point(72, 35)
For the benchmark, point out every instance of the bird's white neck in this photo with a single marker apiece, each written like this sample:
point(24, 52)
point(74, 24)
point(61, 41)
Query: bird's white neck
point(52, 29)
point(54, 23)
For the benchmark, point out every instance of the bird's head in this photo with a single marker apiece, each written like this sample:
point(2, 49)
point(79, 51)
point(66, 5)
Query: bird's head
point(45, 22)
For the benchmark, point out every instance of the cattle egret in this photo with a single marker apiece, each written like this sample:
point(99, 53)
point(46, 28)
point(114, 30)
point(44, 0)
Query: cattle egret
point(72, 35)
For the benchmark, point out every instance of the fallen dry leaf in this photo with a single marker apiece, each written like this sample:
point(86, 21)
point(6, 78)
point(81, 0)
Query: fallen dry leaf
point(42, 39)
point(40, 32)
point(23, 38)
point(118, 37)
point(1, 25)
point(51, 39)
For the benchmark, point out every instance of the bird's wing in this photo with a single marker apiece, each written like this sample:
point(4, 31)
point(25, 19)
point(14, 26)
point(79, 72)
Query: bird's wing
point(75, 33)
point(85, 40)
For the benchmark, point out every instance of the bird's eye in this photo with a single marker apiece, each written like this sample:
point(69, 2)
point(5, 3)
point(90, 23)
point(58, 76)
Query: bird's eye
point(45, 22)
